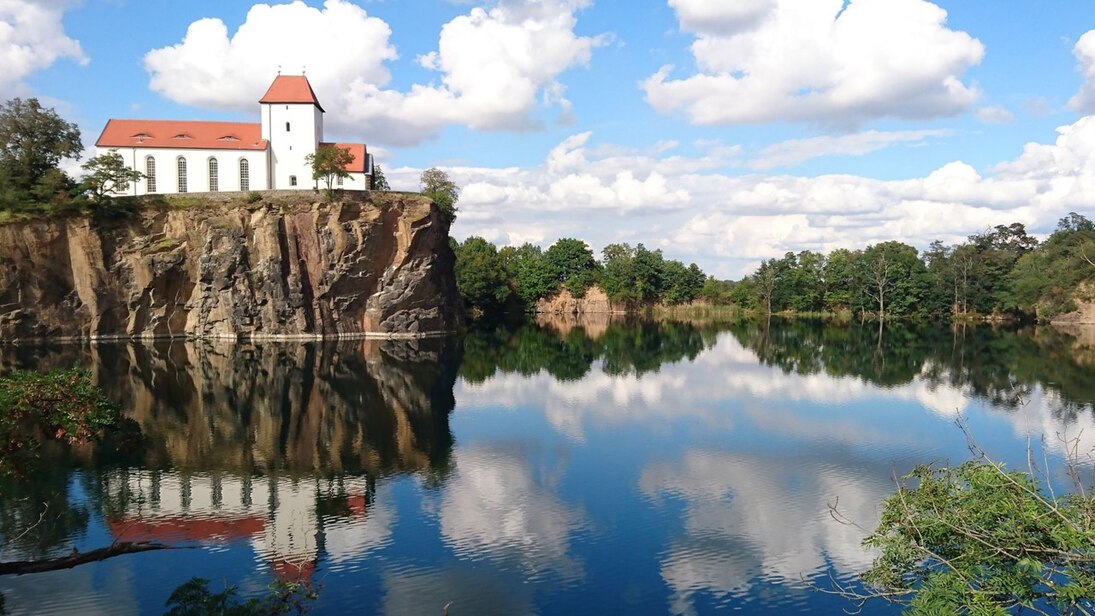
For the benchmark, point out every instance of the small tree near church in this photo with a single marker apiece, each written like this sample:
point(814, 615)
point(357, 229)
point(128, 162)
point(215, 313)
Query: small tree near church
point(329, 164)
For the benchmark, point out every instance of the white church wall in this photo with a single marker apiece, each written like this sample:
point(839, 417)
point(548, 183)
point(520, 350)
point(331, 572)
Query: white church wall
point(197, 169)
point(294, 131)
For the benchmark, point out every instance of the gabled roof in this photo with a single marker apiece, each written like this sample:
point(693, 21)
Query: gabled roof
point(186, 135)
point(291, 89)
point(360, 163)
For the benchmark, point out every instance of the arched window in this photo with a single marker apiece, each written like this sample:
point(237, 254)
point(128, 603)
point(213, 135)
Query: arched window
point(182, 173)
point(245, 174)
point(214, 179)
point(150, 173)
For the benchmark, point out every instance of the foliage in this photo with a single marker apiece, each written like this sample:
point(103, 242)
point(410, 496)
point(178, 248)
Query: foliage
point(573, 263)
point(107, 174)
point(329, 164)
point(444, 192)
point(379, 181)
point(254, 197)
point(531, 275)
point(63, 405)
point(480, 276)
point(33, 142)
point(195, 599)
point(978, 538)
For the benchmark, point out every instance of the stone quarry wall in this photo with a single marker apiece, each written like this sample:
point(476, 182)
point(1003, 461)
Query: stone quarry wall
point(377, 264)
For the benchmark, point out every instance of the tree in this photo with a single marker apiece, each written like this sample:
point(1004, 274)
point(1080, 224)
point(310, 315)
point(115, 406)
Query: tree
point(764, 281)
point(379, 181)
point(480, 275)
point(444, 192)
point(533, 276)
point(980, 539)
point(107, 174)
point(329, 164)
point(33, 142)
point(574, 264)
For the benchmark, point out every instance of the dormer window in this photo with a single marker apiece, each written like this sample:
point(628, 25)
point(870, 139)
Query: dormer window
point(182, 136)
point(140, 137)
point(229, 138)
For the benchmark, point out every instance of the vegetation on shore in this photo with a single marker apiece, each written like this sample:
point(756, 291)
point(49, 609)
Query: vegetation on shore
point(1001, 274)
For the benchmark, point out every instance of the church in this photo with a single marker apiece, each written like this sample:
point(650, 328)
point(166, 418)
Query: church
point(188, 156)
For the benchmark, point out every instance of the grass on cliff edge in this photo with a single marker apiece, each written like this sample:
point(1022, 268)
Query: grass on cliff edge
point(124, 207)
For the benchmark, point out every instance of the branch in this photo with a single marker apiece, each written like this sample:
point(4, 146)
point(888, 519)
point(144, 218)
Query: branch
point(78, 558)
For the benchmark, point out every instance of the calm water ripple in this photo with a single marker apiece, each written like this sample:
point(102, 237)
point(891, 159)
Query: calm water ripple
point(613, 468)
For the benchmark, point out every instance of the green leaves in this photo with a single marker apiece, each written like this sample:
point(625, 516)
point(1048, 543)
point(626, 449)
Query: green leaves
point(979, 539)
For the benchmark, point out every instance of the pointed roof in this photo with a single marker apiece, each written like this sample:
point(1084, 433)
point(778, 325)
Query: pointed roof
point(183, 135)
point(291, 89)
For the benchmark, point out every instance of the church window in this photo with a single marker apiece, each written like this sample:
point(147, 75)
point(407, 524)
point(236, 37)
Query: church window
point(292, 180)
point(245, 174)
point(181, 161)
point(150, 173)
point(340, 180)
point(214, 175)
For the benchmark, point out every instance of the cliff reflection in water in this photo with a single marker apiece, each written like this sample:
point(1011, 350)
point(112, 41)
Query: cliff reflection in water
point(276, 444)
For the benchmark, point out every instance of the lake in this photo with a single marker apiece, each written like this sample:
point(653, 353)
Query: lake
point(561, 468)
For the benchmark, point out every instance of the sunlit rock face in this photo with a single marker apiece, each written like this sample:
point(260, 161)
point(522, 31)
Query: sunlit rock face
point(378, 265)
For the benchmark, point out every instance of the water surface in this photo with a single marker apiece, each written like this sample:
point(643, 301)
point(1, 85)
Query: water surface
point(597, 468)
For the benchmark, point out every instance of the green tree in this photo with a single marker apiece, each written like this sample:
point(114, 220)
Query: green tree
point(649, 274)
point(617, 272)
point(379, 181)
point(892, 276)
point(573, 263)
point(329, 164)
point(444, 192)
point(480, 276)
point(532, 275)
point(682, 284)
point(107, 174)
point(33, 142)
point(980, 539)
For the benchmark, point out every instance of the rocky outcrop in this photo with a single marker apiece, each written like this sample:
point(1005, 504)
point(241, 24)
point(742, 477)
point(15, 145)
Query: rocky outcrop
point(377, 265)
point(595, 301)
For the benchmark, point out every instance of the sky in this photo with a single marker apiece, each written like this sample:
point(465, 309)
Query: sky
point(722, 132)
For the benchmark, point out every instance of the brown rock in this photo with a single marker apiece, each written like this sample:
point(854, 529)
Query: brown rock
point(377, 265)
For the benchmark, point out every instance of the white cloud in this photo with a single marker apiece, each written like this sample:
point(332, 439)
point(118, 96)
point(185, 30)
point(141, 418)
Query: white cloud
point(338, 44)
point(497, 66)
point(830, 62)
point(1084, 101)
point(796, 151)
point(995, 115)
point(32, 38)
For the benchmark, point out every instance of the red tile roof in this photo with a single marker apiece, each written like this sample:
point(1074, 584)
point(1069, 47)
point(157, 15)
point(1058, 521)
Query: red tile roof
point(175, 134)
point(291, 89)
point(361, 159)
point(182, 528)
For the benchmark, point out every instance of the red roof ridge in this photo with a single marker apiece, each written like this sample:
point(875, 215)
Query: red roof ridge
point(205, 135)
point(291, 89)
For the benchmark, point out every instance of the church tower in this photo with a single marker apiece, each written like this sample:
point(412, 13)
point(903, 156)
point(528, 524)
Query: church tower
point(292, 122)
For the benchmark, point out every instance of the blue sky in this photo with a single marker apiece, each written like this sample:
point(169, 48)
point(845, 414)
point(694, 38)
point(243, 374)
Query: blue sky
point(721, 132)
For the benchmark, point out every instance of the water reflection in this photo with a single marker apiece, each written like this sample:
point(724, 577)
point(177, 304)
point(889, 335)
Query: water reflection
point(568, 467)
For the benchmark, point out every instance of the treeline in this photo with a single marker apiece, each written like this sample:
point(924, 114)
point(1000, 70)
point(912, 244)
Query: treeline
point(1002, 273)
point(493, 280)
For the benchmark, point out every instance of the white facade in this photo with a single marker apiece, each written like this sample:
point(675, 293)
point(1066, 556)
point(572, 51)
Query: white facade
point(174, 171)
point(294, 131)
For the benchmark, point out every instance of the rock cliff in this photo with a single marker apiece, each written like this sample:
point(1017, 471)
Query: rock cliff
point(562, 302)
point(377, 265)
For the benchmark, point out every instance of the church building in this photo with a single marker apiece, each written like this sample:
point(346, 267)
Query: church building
point(187, 156)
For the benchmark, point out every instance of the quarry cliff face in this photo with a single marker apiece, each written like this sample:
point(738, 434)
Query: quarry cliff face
point(377, 265)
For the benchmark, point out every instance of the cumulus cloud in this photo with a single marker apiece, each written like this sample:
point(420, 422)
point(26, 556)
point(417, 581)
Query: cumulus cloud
point(339, 43)
point(1084, 101)
point(831, 62)
point(496, 66)
point(995, 115)
point(32, 38)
